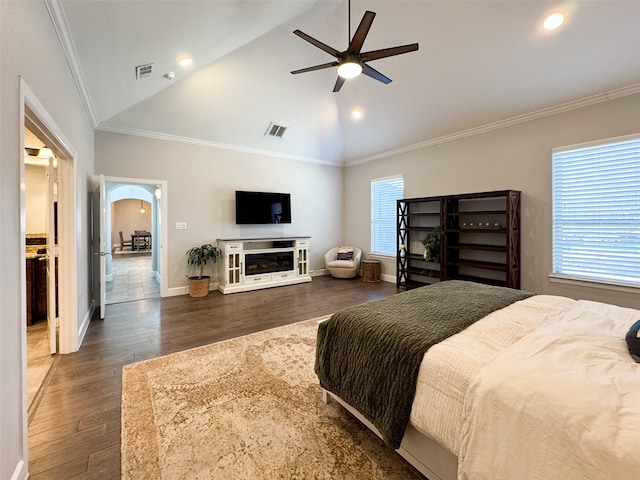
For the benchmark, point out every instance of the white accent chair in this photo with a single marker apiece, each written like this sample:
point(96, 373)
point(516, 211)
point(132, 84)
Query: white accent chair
point(343, 268)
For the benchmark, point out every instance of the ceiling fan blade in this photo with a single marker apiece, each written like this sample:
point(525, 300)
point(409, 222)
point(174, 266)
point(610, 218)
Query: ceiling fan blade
point(318, 43)
point(361, 33)
point(316, 67)
point(388, 52)
point(373, 73)
point(338, 85)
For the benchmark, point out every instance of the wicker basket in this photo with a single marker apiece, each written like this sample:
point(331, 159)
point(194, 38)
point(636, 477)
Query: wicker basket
point(199, 287)
point(370, 271)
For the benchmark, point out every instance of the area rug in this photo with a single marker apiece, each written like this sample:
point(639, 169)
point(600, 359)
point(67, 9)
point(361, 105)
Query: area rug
point(246, 408)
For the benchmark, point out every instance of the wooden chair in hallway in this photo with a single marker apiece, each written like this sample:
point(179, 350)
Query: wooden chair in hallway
point(125, 244)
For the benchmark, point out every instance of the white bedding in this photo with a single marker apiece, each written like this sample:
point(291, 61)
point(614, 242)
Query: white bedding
point(447, 368)
point(563, 402)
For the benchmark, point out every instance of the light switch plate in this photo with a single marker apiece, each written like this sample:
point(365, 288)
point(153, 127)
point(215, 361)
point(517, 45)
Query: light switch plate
point(181, 225)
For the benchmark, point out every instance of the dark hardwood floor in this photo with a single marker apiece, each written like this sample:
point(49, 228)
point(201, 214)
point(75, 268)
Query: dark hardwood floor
point(75, 432)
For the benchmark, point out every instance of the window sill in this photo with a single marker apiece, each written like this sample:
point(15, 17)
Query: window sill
point(580, 282)
point(385, 256)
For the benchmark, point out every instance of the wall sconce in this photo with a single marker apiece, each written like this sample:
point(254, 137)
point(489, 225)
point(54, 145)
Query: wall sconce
point(142, 210)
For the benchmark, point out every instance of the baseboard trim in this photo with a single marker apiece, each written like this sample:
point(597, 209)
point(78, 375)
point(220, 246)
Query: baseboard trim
point(20, 472)
point(84, 326)
point(324, 271)
point(176, 291)
point(388, 278)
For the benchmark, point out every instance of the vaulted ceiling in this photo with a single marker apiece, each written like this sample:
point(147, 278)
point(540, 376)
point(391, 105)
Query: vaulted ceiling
point(480, 64)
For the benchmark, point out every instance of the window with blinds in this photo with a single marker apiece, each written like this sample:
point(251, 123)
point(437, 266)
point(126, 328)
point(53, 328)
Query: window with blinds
point(596, 211)
point(384, 193)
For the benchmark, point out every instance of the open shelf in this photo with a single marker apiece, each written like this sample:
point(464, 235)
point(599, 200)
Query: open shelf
point(489, 253)
point(479, 246)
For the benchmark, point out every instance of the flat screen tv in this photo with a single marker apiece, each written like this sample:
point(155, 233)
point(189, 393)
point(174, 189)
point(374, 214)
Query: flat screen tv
point(254, 208)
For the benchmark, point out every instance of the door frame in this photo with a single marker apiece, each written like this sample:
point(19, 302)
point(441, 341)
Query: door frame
point(53, 253)
point(161, 221)
point(33, 113)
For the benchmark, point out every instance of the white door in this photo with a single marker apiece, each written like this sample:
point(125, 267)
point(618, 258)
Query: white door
point(53, 254)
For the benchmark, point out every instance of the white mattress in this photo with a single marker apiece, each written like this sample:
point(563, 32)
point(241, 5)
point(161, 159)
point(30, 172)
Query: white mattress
point(448, 367)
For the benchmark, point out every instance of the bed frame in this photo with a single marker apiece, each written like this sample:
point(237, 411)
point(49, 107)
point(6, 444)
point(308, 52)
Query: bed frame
point(425, 454)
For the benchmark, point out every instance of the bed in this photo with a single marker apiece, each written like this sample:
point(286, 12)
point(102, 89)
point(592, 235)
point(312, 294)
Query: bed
point(515, 385)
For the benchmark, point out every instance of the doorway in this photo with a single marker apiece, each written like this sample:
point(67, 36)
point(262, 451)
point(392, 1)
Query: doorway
point(41, 242)
point(132, 266)
point(63, 334)
point(133, 272)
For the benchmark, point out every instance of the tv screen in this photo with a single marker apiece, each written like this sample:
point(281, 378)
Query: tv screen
point(262, 207)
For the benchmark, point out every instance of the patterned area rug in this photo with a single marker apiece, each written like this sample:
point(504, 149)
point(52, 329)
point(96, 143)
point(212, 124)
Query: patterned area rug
point(246, 408)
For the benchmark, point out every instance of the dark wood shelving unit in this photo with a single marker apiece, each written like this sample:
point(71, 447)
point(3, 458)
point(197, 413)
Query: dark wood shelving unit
point(416, 218)
point(480, 241)
point(477, 246)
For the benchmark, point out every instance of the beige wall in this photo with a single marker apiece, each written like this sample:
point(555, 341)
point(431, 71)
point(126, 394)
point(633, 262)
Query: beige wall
point(126, 218)
point(35, 198)
point(30, 50)
point(517, 157)
point(201, 185)
point(202, 182)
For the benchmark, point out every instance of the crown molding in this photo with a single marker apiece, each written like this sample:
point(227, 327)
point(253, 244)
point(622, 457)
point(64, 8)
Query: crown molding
point(56, 12)
point(59, 20)
point(545, 112)
point(210, 144)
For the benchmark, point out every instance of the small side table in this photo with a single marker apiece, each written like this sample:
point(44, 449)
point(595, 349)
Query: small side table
point(370, 270)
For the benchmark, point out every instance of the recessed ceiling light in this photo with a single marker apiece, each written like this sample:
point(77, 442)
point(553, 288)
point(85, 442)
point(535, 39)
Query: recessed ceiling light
point(553, 21)
point(356, 113)
point(184, 61)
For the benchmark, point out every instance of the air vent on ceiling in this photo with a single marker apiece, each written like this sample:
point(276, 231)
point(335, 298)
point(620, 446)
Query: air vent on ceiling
point(144, 71)
point(275, 130)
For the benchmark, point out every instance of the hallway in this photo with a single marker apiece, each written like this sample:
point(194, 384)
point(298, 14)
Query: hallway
point(132, 279)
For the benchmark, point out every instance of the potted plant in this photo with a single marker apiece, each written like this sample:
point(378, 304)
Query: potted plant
point(431, 244)
point(198, 257)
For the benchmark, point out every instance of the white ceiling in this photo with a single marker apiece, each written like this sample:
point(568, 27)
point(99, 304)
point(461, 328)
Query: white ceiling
point(479, 62)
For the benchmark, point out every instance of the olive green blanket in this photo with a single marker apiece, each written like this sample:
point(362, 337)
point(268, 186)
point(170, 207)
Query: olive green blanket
point(369, 355)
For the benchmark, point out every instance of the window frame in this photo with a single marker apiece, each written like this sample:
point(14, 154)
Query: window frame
point(588, 153)
point(390, 213)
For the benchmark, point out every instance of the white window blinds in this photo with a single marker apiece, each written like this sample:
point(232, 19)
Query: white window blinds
point(384, 193)
point(596, 211)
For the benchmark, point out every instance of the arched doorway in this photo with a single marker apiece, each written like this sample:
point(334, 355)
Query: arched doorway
point(134, 270)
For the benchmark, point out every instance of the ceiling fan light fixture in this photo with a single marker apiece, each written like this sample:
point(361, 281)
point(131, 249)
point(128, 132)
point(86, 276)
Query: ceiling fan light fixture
point(349, 69)
point(353, 61)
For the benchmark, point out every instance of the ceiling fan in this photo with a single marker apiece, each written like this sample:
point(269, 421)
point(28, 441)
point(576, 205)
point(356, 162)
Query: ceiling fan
point(352, 61)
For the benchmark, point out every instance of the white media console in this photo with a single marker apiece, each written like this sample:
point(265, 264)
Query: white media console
point(254, 263)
